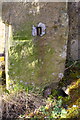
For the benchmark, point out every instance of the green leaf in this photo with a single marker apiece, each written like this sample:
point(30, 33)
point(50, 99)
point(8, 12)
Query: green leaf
point(7, 91)
point(63, 113)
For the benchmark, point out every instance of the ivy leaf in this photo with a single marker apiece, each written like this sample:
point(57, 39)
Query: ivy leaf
point(63, 113)
point(7, 91)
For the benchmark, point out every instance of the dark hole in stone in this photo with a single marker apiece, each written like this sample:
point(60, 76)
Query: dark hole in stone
point(3, 75)
point(39, 31)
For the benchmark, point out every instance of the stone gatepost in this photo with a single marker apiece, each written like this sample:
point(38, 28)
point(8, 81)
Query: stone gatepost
point(37, 60)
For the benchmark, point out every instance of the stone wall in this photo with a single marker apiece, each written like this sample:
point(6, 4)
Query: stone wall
point(37, 60)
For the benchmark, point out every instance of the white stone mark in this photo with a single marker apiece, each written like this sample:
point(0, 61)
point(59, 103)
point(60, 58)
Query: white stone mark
point(60, 75)
point(34, 32)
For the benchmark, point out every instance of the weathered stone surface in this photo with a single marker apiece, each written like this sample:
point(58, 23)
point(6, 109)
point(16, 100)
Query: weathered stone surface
point(73, 39)
point(37, 60)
